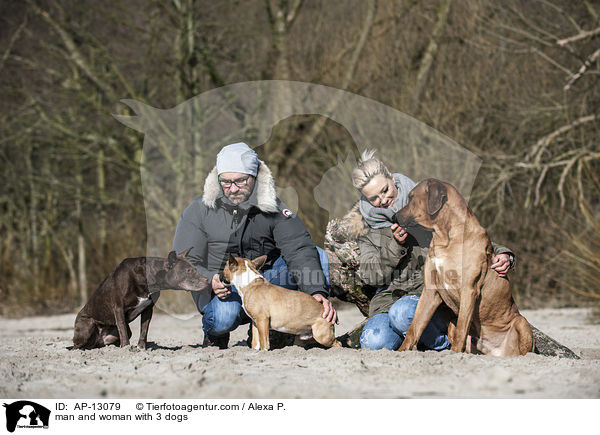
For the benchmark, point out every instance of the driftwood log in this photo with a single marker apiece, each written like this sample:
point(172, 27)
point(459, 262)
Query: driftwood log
point(346, 285)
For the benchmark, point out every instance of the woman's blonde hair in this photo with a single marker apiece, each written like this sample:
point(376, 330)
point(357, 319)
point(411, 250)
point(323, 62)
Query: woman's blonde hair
point(368, 166)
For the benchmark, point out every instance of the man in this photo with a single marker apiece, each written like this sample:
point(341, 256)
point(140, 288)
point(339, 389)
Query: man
point(239, 213)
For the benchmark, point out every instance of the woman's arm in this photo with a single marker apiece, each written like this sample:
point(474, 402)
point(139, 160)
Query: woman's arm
point(379, 256)
point(503, 260)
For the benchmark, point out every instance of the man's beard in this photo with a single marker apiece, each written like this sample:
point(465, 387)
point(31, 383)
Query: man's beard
point(238, 198)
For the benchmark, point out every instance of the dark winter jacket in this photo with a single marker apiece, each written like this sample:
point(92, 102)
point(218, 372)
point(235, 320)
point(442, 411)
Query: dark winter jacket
point(262, 225)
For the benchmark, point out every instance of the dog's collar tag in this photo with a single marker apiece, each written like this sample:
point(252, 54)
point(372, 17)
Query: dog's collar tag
point(287, 212)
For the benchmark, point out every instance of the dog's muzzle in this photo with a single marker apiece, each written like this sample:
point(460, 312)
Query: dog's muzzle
point(405, 223)
point(223, 279)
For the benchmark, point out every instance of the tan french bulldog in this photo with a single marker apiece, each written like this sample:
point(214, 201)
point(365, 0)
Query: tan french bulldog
point(273, 307)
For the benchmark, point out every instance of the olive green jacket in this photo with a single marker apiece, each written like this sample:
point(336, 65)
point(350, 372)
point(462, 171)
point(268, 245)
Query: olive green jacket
point(395, 269)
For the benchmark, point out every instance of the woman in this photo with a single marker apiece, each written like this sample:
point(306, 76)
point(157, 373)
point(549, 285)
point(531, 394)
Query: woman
point(392, 260)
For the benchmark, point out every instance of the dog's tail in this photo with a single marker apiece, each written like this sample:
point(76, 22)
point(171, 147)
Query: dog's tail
point(526, 339)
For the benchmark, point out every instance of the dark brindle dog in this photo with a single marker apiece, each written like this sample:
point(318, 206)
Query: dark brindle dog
point(130, 290)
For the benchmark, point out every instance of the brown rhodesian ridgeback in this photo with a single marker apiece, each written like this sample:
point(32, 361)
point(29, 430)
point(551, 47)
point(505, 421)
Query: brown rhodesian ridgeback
point(458, 273)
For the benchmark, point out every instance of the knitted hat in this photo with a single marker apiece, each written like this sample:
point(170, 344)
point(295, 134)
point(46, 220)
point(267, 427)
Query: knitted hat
point(237, 157)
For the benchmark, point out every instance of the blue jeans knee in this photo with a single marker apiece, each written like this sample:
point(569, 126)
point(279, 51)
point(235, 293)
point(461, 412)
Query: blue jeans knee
point(223, 315)
point(401, 315)
point(377, 334)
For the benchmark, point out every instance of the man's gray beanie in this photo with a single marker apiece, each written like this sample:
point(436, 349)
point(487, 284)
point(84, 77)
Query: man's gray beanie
point(237, 157)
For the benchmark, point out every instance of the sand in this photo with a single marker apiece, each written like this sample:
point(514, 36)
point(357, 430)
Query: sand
point(35, 363)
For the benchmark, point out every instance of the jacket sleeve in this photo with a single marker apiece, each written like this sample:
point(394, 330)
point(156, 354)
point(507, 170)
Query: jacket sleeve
point(379, 257)
point(300, 254)
point(190, 234)
point(499, 249)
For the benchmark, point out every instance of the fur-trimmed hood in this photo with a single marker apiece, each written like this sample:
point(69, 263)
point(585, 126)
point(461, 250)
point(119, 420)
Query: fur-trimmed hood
point(353, 223)
point(266, 195)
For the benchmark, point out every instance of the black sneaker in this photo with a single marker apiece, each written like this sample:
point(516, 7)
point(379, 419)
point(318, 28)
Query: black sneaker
point(221, 342)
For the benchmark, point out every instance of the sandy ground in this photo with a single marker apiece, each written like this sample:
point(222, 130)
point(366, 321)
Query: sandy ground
point(35, 363)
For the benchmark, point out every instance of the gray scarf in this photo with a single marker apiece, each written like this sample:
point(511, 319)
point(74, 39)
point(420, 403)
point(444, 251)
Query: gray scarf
point(377, 217)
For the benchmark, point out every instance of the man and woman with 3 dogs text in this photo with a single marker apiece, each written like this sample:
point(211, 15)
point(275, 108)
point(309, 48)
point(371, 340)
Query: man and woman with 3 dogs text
point(240, 214)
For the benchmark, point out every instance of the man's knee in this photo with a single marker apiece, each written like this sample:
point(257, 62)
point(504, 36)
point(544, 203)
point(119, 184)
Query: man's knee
point(221, 317)
point(402, 313)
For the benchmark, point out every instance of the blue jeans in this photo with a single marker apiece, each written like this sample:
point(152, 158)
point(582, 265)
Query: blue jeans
point(224, 315)
point(387, 330)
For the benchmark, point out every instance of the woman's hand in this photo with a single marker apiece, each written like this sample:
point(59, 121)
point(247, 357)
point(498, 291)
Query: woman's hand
point(399, 233)
point(501, 264)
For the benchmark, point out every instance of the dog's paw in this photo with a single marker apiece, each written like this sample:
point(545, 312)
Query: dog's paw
point(133, 348)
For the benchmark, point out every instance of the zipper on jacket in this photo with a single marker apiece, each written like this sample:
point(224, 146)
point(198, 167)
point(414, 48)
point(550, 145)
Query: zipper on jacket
point(235, 213)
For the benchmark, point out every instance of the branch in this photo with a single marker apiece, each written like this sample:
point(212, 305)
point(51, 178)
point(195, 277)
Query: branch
point(581, 156)
point(74, 55)
point(578, 37)
point(538, 185)
point(586, 65)
point(541, 145)
point(581, 200)
point(293, 13)
point(549, 59)
point(12, 41)
point(431, 50)
point(591, 10)
point(563, 177)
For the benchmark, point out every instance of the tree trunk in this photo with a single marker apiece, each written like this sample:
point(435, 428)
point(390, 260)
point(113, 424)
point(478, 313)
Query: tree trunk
point(33, 221)
point(102, 202)
point(430, 52)
point(81, 258)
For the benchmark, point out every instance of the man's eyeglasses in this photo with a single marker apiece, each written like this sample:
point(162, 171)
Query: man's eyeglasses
point(240, 182)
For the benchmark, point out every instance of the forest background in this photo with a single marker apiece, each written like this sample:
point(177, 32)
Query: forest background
point(515, 82)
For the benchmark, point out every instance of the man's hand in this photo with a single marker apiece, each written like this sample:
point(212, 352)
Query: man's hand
point(501, 264)
point(399, 233)
point(329, 312)
point(219, 288)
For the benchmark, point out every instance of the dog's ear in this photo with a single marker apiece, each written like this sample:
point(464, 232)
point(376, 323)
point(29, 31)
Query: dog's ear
point(185, 253)
point(172, 258)
point(437, 195)
point(259, 262)
point(232, 261)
